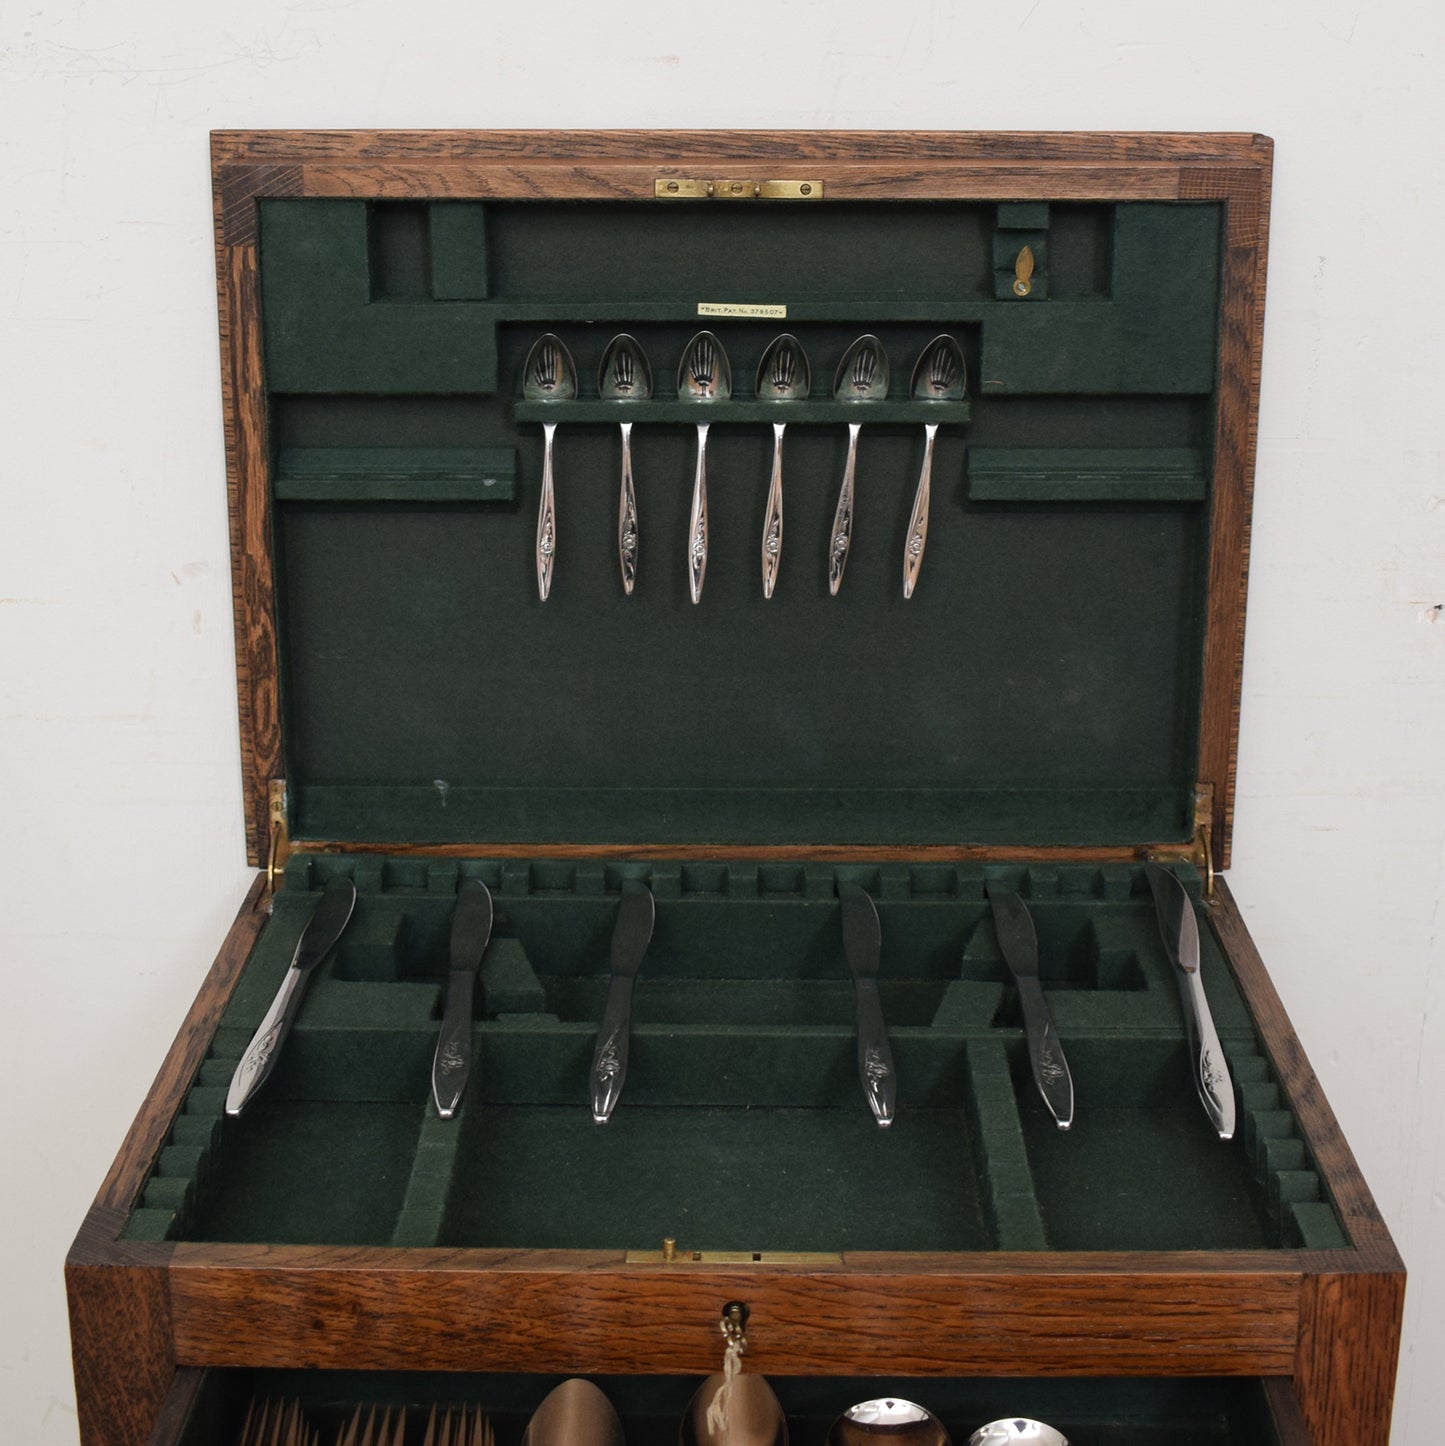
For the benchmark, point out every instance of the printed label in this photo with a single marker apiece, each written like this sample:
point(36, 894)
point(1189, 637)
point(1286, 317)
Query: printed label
point(739, 308)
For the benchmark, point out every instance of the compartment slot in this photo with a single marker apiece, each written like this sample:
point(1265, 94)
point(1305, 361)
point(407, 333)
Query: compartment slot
point(1048, 474)
point(396, 474)
point(717, 1179)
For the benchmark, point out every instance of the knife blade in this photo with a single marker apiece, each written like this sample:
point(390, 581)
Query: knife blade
point(1180, 932)
point(471, 931)
point(862, 946)
point(1019, 945)
point(631, 934)
point(318, 938)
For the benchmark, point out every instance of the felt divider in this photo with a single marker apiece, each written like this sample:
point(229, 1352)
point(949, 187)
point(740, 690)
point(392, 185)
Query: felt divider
point(803, 413)
point(396, 474)
point(743, 1068)
point(1039, 474)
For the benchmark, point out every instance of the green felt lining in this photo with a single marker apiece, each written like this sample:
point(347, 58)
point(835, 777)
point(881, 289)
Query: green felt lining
point(1040, 687)
point(809, 412)
point(1036, 474)
point(395, 474)
point(742, 1106)
point(1090, 1411)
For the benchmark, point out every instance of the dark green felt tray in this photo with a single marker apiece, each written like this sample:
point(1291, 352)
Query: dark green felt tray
point(1040, 687)
point(742, 1126)
point(1091, 1412)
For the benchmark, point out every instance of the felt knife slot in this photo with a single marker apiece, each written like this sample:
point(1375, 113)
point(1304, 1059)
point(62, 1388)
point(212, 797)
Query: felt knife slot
point(742, 1039)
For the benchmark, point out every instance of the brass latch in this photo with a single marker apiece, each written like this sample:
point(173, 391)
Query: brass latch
point(676, 188)
point(1200, 850)
point(673, 1254)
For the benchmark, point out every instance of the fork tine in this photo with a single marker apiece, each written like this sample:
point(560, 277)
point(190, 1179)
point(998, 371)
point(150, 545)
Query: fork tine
point(400, 1431)
point(430, 1439)
point(347, 1435)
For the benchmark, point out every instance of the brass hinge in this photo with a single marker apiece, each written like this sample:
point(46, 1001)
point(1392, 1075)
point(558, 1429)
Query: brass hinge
point(280, 835)
point(678, 188)
point(1200, 850)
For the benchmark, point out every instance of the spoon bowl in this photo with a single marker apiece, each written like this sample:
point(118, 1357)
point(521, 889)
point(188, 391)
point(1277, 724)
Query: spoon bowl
point(783, 376)
point(625, 376)
point(862, 377)
point(940, 376)
point(888, 1421)
point(1017, 1429)
point(703, 376)
point(576, 1413)
point(754, 1417)
point(548, 375)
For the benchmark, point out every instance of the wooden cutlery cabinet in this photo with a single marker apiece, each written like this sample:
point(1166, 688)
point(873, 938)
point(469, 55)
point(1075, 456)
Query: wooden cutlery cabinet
point(448, 672)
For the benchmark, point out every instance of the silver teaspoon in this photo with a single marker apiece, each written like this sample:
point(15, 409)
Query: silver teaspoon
point(783, 376)
point(625, 377)
point(862, 377)
point(940, 376)
point(548, 376)
point(704, 376)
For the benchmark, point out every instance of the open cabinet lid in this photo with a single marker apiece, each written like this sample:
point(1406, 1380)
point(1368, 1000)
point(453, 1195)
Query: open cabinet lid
point(1065, 676)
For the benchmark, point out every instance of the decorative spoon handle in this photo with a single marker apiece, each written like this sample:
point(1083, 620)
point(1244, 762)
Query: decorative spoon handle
point(918, 522)
point(843, 517)
point(627, 515)
point(773, 522)
point(697, 523)
point(546, 517)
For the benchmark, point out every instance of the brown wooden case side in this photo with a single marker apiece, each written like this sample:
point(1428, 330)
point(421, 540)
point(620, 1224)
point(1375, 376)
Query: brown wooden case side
point(1245, 194)
point(120, 1332)
point(961, 1315)
point(1348, 1352)
point(591, 165)
point(1321, 1131)
point(119, 1297)
point(248, 490)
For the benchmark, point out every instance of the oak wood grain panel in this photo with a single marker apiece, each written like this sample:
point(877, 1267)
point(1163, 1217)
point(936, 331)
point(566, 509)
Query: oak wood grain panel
point(1348, 1352)
point(237, 190)
point(148, 1132)
point(633, 181)
point(1043, 148)
point(120, 1338)
point(1245, 194)
point(252, 567)
point(1301, 1085)
point(349, 1309)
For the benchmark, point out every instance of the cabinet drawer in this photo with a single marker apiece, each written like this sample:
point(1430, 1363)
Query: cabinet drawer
point(206, 1406)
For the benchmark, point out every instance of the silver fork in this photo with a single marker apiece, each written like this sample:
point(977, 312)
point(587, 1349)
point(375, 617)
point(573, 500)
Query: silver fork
point(388, 1430)
point(276, 1423)
point(459, 1426)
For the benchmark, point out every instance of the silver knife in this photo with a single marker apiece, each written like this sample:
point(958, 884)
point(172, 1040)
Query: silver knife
point(317, 939)
point(471, 930)
point(631, 935)
point(1019, 945)
point(862, 945)
point(1180, 932)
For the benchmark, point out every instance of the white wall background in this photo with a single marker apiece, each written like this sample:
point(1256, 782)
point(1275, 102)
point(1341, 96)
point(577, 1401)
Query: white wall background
point(122, 847)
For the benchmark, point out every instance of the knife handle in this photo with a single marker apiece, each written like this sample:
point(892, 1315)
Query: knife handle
point(259, 1059)
point(609, 1059)
point(875, 1054)
point(1046, 1052)
point(1211, 1072)
point(452, 1063)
